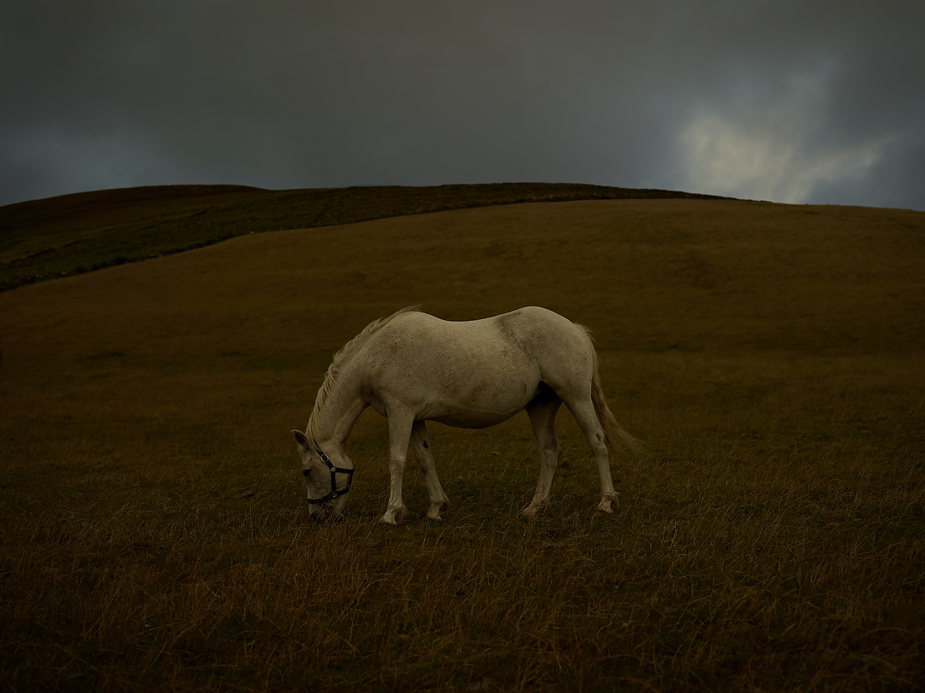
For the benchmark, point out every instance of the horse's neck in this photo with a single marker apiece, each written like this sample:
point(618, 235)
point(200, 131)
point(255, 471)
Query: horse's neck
point(341, 409)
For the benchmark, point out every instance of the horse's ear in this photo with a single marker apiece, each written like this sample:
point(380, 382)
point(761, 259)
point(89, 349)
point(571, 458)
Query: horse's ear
point(301, 439)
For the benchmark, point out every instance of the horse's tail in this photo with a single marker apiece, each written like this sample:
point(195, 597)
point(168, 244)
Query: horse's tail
point(612, 430)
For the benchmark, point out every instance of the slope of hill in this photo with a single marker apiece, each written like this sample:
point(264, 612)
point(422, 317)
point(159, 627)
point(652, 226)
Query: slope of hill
point(73, 234)
point(155, 533)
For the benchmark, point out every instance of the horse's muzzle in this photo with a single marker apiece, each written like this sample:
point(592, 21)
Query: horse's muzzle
point(326, 513)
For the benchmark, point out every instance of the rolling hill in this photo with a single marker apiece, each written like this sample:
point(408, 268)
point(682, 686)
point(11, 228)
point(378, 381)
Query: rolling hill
point(73, 234)
point(769, 356)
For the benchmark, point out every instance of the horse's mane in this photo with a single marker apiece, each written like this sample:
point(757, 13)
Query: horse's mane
point(330, 378)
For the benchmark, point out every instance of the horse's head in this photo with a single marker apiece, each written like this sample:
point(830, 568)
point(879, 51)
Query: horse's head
point(326, 481)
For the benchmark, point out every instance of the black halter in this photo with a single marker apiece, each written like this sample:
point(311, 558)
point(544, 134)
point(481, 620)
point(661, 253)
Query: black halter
point(334, 472)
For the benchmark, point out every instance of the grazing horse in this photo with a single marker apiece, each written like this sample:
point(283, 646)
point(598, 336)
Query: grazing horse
point(412, 368)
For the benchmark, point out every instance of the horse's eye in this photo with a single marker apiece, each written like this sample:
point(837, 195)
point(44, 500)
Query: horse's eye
point(305, 472)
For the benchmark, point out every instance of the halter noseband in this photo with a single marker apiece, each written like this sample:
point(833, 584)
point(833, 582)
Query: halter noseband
point(334, 471)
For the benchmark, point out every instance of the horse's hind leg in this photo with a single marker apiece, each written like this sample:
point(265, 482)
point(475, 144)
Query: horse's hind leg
point(583, 411)
point(542, 413)
point(400, 423)
point(421, 446)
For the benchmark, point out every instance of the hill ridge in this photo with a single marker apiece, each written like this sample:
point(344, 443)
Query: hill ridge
point(80, 232)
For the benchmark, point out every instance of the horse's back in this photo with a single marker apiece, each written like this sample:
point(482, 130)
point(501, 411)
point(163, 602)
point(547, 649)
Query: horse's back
point(482, 370)
point(449, 350)
point(542, 332)
point(532, 331)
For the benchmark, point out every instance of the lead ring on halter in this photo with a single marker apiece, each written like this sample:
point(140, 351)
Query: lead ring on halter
point(334, 472)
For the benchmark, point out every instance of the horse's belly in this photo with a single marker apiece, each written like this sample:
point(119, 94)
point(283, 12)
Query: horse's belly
point(460, 418)
point(478, 413)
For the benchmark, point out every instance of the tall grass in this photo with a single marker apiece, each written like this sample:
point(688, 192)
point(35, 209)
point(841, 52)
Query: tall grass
point(154, 530)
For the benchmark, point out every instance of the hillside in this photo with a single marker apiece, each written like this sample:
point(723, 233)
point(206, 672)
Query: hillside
point(73, 234)
point(156, 534)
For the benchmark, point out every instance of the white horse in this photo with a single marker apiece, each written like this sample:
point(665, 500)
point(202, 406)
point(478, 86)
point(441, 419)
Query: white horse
point(412, 367)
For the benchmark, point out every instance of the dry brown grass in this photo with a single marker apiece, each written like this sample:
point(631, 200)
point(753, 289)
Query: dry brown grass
point(154, 533)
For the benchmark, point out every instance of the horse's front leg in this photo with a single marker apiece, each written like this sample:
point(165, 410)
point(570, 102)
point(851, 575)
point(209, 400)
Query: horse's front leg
point(400, 423)
point(421, 446)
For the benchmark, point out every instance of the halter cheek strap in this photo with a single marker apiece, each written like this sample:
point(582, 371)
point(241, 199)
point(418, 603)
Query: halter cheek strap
point(334, 472)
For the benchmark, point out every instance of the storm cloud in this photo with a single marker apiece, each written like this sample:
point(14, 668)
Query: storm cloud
point(819, 102)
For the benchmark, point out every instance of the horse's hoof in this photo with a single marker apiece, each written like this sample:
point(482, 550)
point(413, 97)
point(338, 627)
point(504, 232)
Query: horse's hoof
point(434, 512)
point(393, 516)
point(534, 510)
point(608, 504)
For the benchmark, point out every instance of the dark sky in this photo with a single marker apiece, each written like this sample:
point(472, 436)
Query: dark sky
point(784, 100)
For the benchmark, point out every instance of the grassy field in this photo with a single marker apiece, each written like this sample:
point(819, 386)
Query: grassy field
point(154, 528)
